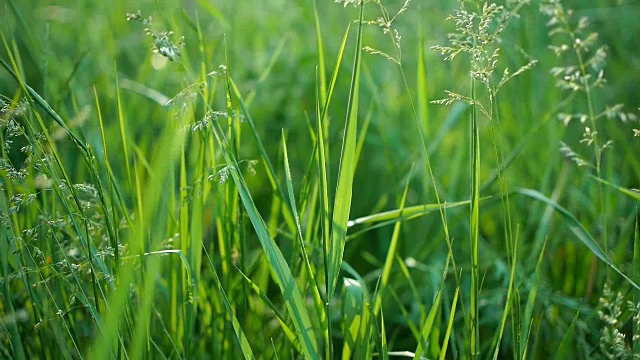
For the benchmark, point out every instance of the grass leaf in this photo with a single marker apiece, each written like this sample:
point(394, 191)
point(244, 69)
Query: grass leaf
point(281, 271)
point(578, 230)
point(344, 190)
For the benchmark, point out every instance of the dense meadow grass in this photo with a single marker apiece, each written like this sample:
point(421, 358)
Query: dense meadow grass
point(209, 179)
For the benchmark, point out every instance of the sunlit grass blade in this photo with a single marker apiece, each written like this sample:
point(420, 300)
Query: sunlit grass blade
point(324, 215)
point(322, 152)
point(578, 230)
point(322, 72)
point(292, 202)
point(322, 149)
point(144, 91)
point(319, 302)
point(355, 320)
point(344, 190)
point(334, 78)
point(409, 212)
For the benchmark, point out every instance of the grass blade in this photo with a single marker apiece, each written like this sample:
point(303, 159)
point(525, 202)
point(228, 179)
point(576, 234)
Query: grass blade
point(391, 253)
point(9, 318)
point(381, 339)
point(291, 293)
point(319, 303)
point(289, 333)
point(447, 335)
point(632, 194)
point(271, 173)
point(428, 324)
point(355, 320)
point(240, 336)
point(422, 97)
point(474, 222)
point(578, 230)
point(123, 131)
point(322, 72)
point(344, 190)
point(406, 213)
point(508, 301)
point(528, 311)
point(565, 346)
point(636, 273)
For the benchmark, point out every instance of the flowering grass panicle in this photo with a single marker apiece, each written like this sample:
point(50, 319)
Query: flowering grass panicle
point(162, 42)
point(385, 22)
point(614, 312)
point(48, 248)
point(581, 74)
point(478, 34)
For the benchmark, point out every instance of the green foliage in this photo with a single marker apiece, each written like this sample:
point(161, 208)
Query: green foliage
point(271, 179)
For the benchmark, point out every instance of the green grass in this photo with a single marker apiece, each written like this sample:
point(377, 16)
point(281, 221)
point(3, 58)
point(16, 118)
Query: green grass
point(278, 180)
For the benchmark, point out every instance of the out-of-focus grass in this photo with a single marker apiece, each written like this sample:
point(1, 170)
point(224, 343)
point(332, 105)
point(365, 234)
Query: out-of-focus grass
point(190, 229)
